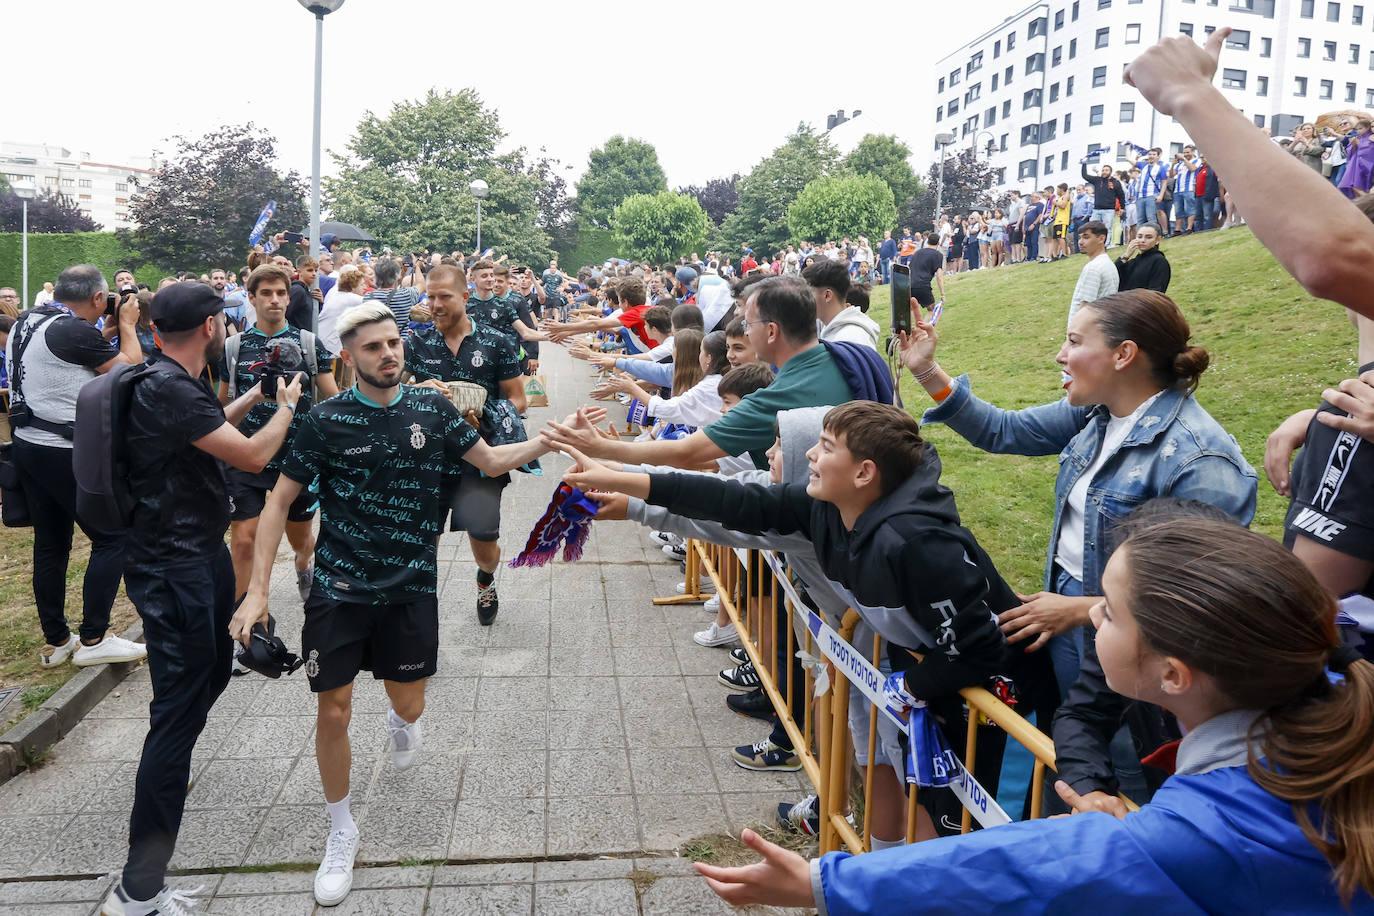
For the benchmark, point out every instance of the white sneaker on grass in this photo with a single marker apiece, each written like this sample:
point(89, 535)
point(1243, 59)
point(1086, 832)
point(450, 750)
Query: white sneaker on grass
point(52, 656)
point(716, 635)
point(109, 650)
point(406, 739)
point(334, 879)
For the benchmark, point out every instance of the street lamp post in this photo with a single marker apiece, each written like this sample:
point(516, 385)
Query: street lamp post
point(25, 191)
point(480, 191)
point(943, 140)
point(320, 8)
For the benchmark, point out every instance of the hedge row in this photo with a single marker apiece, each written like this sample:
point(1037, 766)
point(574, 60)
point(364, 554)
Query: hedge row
point(49, 253)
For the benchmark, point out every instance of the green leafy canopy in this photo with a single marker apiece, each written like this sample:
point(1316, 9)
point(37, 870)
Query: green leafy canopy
point(659, 227)
point(842, 205)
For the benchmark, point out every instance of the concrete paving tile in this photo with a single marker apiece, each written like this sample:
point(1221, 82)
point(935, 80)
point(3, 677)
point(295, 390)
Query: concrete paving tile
point(684, 896)
point(460, 661)
point(656, 730)
point(665, 865)
point(47, 909)
point(592, 824)
point(586, 728)
point(516, 773)
point(511, 631)
point(498, 827)
point(273, 905)
point(581, 661)
point(216, 838)
point(230, 782)
point(583, 869)
point(53, 789)
point(641, 633)
point(577, 898)
point(17, 892)
point(576, 633)
point(668, 820)
point(602, 771)
point(458, 693)
point(239, 695)
point(302, 786)
point(646, 660)
point(510, 661)
point(700, 660)
point(485, 873)
point(583, 693)
point(685, 769)
point(507, 729)
point(733, 778)
point(289, 696)
point(516, 693)
point(394, 876)
point(129, 700)
point(653, 694)
point(435, 775)
point(394, 902)
point(274, 736)
point(87, 844)
point(396, 829)
point(493, 900)
point(102, 739)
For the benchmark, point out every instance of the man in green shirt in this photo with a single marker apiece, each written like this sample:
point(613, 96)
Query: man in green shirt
point(780, 320)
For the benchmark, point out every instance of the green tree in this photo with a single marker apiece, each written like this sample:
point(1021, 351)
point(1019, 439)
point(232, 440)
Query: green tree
point(659, 227)
point(760, 219)
point(405, 178)
point(842, 205)
point(884, 156)
point(616, 171)
point(198, 210)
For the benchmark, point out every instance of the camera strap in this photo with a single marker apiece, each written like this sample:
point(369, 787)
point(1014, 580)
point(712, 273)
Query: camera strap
point(21, 414)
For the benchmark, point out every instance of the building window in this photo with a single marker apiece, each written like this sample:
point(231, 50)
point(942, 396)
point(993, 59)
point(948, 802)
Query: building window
point(84, 183)
point(1068, 87)
point(1099, 77)
point(1185, 28)
point(68, 182)
point(953, 107)
point(1232, 79)
point(1369, 98)
point(1073, 48)
point(975, 63)
point(1266, 47)
point(939, 112)
point(1133, 33)
point(1031, 99)
point(1354, 54)
point(1350, 93)
point(1371, 60)
point(1030, 135)
point(1357, 15)
point(953, 78)
point(51, 179)
point(1333, 12)
point(1011, 40)
point(1095, 116)
point(1326, 88)
point(1064, 160)
point(1006, 109)
point(1001, 176)
point(1049, 165)
point(1175, 149)
point(1058, 20)
point(990, 116)
point(1104, 4)
point(1306, 11)
point(85, 197)
point(1002, 144)
point(1208, 29)
point(1328, 50)
point(1054, 93)
point(973, 93)
point(1068, 123)
point(1300, 86)
point(1035, 63)
point(1103, 37)
point(1037, 27)
point(1259, 120)
point(996, 49)
point(1304, 47)
point(121, 186)
point(1057, 56)
point(1048, 130)
point(1261, 85)
point(1239, 40)
point(995, 77)
point(941, 86)
point(1074, 14)
point(1026, 169)
point(1127, 113)
point(1007, 75)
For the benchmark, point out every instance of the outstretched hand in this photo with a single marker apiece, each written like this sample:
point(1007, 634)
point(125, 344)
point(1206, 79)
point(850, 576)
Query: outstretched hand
point(1176, 68)
point(783, 878)
point(1092, 801)
point(586, 473)
point(917, 347)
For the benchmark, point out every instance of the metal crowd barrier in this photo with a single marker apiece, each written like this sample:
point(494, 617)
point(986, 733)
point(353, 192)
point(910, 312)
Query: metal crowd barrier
point(821, 739)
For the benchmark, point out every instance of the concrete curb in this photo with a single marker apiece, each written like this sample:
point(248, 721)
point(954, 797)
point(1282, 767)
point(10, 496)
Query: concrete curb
point(60, 713)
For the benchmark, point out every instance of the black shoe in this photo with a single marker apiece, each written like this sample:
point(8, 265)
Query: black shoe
point(487, 605)
point(752, 705)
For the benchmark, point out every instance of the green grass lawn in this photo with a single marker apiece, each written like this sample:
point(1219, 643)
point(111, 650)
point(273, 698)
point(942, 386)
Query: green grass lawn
point(1273, 349)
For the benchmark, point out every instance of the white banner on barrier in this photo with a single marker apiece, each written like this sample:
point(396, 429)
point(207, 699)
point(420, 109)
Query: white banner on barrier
point(861, 673)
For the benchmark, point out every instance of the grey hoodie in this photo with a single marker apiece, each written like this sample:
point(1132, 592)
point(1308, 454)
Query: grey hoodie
point(851, 325)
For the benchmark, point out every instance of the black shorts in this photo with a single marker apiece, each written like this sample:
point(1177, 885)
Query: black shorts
point(248, 495)
point(396, 642)
point(923, 294)
point(473, 503)
point(1014, 235)
point(1333, 491)
point(1059, 231)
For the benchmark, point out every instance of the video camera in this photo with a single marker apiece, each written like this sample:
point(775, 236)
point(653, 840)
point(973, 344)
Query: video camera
point(112, 300)
point(283, 360)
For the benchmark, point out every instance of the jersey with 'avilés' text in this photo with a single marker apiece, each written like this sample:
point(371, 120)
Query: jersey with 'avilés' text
point(497, 313)
point(485, 357)
point(380, 468)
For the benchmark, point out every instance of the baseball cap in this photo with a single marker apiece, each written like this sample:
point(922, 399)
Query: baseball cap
point(686, 275)
point(182, 306)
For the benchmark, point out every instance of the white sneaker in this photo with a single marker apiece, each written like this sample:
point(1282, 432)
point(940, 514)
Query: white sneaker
point(406, 740)
point(706, 586)
point(109, 650)
point(167, 903)
point(716, 635)
point(335, 876)
point(712, 605)
point(52, 656)
point(665, 537)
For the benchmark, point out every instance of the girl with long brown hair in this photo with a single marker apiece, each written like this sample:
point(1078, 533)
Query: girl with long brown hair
point(1271, 806)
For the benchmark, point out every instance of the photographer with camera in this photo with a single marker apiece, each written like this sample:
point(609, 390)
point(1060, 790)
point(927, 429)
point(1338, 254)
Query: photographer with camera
point(52, 351)
point(271, 349)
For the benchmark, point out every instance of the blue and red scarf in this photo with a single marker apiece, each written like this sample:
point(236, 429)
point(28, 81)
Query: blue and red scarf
point(567, 521)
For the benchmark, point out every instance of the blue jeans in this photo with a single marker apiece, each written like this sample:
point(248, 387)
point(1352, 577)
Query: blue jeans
point(1032, 237)
point(1206, 212)
point(885, 265)
point(1066, 649)
point(1105, 218)
point(1146, 210)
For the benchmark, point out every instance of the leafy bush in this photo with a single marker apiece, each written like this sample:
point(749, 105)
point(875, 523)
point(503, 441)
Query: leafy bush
point(660, 227)
point(842, 205)
point(49, 254)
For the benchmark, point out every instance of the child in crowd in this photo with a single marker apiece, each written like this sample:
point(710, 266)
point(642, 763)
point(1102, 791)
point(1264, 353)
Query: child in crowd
point(697, 367)
point(1268, 808)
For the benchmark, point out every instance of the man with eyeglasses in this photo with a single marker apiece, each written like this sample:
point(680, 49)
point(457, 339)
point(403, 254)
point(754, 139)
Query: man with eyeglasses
point(9, 301)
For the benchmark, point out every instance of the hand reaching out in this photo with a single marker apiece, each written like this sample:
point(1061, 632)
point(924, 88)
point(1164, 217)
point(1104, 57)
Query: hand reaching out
point(783, 878)
point(917, 348)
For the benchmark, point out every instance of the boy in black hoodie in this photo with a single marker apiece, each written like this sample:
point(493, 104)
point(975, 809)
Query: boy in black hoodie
point(881, 525)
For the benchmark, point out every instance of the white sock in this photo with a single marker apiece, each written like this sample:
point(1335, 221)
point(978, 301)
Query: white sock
point(340, 818)
point(885, 844)
point(395, 719)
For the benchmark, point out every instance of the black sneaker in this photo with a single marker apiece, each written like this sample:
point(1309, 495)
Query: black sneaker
point(802, 817)
point(487, 605)
point(743, 677)
point(738, 655)
point(752, 705)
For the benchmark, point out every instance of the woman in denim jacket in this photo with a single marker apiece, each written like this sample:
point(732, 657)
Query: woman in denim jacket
point(1128, 431)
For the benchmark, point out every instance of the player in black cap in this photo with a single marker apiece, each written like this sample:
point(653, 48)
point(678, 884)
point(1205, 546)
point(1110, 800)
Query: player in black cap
point(177, 570)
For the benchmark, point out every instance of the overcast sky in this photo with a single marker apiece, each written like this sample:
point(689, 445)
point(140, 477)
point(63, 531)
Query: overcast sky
point(713, 90)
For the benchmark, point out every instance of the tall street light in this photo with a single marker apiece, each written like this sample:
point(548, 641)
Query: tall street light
point(320, 8)
point(25, 191)
point(480, 191)
point(943, 140)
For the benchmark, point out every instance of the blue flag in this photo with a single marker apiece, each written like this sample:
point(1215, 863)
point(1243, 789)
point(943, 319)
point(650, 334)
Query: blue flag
point(930, 762)
point(266, 215)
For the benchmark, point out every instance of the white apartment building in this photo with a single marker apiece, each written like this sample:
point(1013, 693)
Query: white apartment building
point(100, 190)
point(1043, 89)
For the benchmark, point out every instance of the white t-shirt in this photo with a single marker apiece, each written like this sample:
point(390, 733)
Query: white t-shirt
point(1099, 278)
point(1072, 524)
point(335, 304)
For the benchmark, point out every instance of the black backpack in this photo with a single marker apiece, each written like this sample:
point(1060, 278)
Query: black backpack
point(100, 452)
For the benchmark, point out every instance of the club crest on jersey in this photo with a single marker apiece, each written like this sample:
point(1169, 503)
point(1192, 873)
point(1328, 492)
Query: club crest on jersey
point(477, 361)
point(417, 436)
point(495, 314)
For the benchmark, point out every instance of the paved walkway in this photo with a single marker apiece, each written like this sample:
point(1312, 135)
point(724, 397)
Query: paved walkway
point(573, 748)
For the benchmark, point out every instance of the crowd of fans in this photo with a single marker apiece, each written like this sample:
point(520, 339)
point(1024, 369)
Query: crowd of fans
point(1168, 651)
